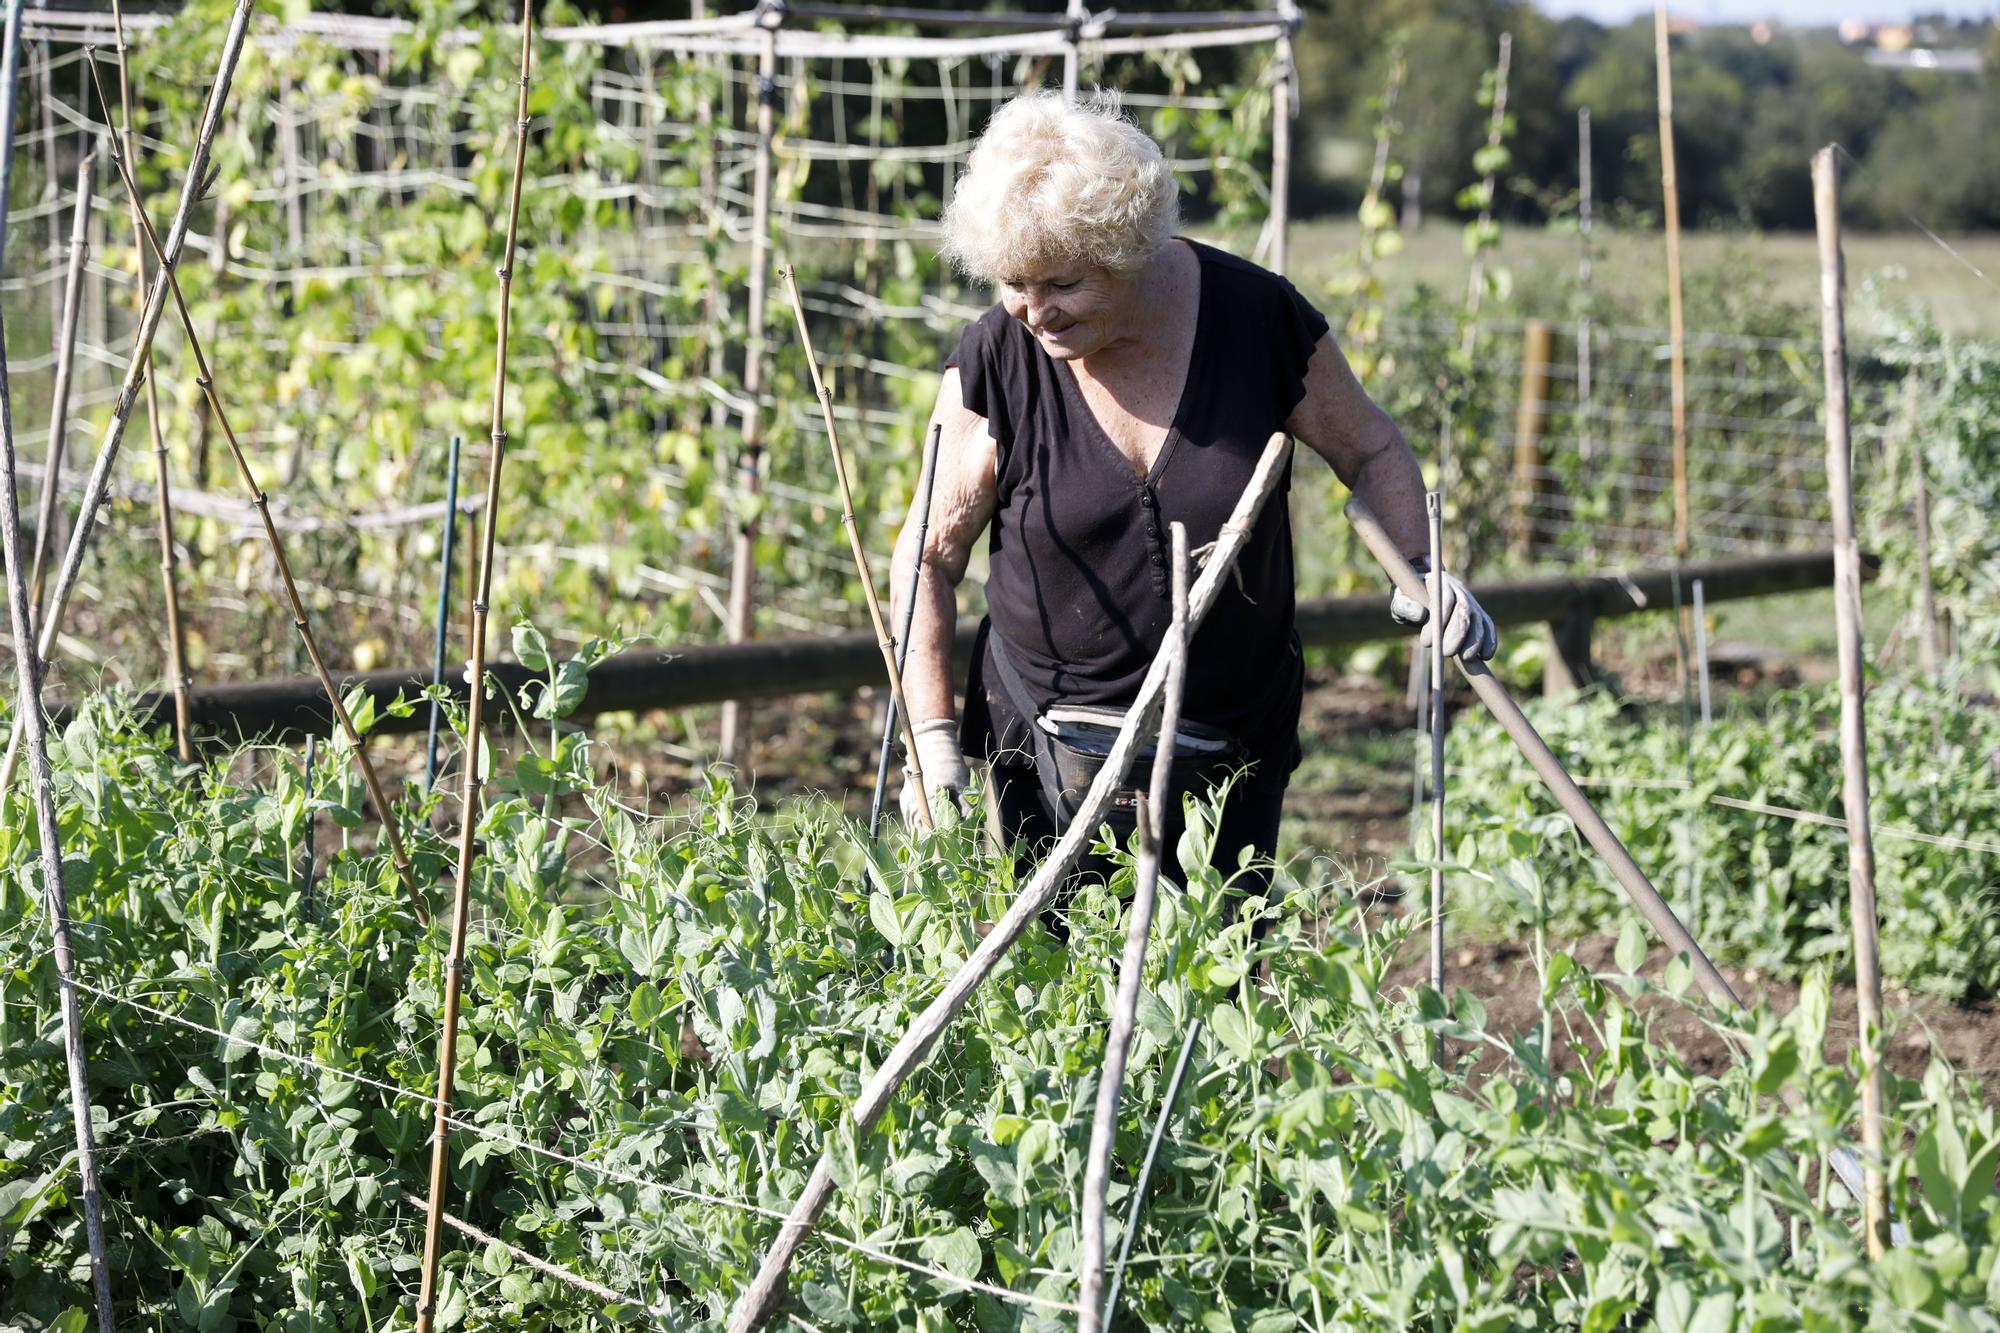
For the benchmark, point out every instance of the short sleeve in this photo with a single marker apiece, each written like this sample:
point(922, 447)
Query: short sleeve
point(988, 382)
point(1298, 326)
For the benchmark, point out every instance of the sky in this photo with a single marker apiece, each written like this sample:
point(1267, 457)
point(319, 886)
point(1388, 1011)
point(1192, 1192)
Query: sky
point(1790, 11)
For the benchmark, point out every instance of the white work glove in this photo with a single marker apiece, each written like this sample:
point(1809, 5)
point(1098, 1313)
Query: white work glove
point(945, 775)
point(1468, 630)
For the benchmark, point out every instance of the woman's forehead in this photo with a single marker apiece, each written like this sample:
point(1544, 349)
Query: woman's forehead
point(1039, 272)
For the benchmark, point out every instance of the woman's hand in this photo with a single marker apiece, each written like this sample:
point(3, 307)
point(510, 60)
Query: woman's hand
point(946, 776)
point(1468, 630)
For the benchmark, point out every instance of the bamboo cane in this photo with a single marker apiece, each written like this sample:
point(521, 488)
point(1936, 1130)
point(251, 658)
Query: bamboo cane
point(205, 378)
point(1167, 1104)
point(749, 463)
point(1284, 76)
point(72, 302)
point(1434, 512)
point(1676, 328)
point(99, 485)
point(1132, 968)
point(475, 698)
point(914, 1048)
point(860, 554)
point(925, 484)
point(177, 675)
point(443, 610)
point(1928, 656)
point(1853, 722)
point(1585, 445)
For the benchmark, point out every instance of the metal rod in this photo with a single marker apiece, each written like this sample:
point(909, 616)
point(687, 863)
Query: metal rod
point(1550, 770)
point(1132, 967)
point(205, 380)
point(99, 485)
point(1853, 722)
point(925, 482)
point(1167, 1103)
point(749, 461)
point(860, 553)
point(461, 899)
point(72, 306)
point(443, 608)
point(1434, 512)
point(177, 674)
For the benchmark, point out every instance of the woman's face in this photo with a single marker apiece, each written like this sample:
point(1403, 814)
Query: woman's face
point(1072, 309)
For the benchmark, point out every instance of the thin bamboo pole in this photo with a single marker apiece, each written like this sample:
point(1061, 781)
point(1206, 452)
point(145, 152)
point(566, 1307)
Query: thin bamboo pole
point(1434, 513)
point(205, 378)
point(454, 970)
point(915, 1046)
point(1075, 12)
point(1496, 132)
point(1585, 208)
point(1853, 724)
point(1167, 1104)
point(925, 484)
point(1701, 654)
point(177, 674)
point(750, 459)
point(72, 302)
point(1676, 327)
point(1928, 656)
point(443, 609)
point(860, 554)
point(99, 485)
point(33, 725)
point(1132, 968)
point(1284, 74)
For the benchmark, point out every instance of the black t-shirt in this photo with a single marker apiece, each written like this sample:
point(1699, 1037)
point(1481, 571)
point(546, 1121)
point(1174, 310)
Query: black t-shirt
point(1079, 586)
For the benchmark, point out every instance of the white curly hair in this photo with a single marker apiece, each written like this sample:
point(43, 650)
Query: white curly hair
point(1055, 182)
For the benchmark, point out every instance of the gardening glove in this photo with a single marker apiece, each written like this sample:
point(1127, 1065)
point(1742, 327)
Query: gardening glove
point(945, 775)
point(1468, 630)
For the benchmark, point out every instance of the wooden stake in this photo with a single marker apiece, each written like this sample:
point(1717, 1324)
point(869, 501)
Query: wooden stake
point(1132, 968)
point(860, 554)
point(99, 484)
point(914, 1048)
point(1585, 206)
point(461, 899)
point(1167, 1103)
point(1928, 657)
point(1853, 725)
point(1434, 512)
point(1530, 416)
point(177, 673)
point(1284, 76)
point(72, 302)
point(205, 379)
point(1676, 330)
point(749, 462)
point(443, 608)
point(926, 482)
point(1074, 13)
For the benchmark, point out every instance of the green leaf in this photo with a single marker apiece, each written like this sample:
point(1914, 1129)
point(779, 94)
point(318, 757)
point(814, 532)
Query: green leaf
point(1631, 952)
point(955, 1251)
point(1233, 1030)
point(531, 650)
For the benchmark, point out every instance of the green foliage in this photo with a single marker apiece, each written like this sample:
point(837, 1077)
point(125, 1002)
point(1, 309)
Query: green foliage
point(1758, 889)
point(694, 1002)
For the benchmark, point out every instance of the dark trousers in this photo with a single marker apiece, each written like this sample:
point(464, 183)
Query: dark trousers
point(1028, 824)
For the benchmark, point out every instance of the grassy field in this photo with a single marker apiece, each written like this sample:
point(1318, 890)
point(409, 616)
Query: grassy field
point(1884, 271)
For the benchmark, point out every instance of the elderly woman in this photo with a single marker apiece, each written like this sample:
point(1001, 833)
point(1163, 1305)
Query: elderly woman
point(1127, 379)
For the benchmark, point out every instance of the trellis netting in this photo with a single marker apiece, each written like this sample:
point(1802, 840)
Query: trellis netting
point(342, 267)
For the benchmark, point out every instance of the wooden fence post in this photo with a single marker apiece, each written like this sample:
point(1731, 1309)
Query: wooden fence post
point(1676, 328)
point(1585, 445)
point(1853, 726)
point(1531, 414)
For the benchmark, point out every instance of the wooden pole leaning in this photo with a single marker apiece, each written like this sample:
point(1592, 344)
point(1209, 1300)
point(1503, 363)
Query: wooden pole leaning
point(926, 483)
point(750, 459)
point(1853, 723)
point(1676, 325)
point(1550, 770)
point(1092, 1317)
point(205, 379)
point(915, 1046)
point(177, 675)
point(72, 307)
point(99, 484)
point(482, 588)
point(1434, 514)
point(860, 553)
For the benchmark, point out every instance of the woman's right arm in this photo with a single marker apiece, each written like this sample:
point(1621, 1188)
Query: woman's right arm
point(962, 501)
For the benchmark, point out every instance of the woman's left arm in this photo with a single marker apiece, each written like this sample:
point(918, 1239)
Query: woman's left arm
point(1341, 423)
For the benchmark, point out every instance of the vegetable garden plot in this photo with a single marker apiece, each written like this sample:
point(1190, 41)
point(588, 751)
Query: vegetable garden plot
point(669, 1016)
